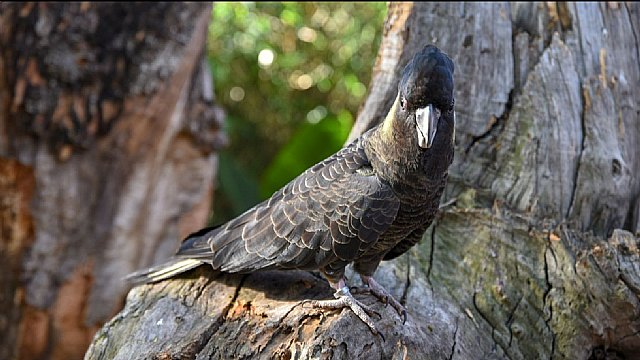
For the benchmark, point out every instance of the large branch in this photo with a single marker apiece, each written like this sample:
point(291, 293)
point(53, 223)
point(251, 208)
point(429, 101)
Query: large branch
point(535, 258)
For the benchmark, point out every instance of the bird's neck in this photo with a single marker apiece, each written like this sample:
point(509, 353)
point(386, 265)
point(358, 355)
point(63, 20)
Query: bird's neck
point(395, 155)
point(395, 158)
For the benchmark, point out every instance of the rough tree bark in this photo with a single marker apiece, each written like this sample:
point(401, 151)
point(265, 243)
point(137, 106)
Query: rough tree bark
point(103, 110)
point(536, 255)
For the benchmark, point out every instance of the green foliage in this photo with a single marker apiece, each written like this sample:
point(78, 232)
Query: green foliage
point(291, 77)
point(310, 144)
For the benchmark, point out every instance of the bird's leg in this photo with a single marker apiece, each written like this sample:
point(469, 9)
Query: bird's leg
point(345, 299)
point(381, 293)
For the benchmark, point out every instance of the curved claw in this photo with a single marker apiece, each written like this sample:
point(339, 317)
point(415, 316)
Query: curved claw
point(344, 299)
point(307, 302)
point(382, 294)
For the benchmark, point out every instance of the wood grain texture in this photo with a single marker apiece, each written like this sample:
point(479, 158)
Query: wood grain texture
point(108, 106)
point(535, 255)
point(17, 183)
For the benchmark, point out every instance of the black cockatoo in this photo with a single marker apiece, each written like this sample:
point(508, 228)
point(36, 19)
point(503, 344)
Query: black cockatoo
point(371, 201)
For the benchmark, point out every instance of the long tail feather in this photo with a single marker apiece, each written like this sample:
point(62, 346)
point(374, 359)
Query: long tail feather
point(171, 268)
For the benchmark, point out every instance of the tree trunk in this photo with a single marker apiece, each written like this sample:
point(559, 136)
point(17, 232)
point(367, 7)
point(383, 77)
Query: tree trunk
point(104, 109)
point(535, 254)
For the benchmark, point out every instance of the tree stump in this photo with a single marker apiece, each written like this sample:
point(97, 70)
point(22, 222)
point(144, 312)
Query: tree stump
point(535, 252)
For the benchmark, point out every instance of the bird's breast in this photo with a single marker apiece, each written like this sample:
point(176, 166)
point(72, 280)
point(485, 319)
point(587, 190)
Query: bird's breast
point(419, 202)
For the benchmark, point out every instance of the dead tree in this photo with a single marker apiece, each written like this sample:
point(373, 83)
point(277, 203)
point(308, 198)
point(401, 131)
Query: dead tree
point(103, 110)
point(535, 252)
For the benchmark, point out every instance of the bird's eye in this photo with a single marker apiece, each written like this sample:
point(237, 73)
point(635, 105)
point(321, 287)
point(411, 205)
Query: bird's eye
point(403, 103)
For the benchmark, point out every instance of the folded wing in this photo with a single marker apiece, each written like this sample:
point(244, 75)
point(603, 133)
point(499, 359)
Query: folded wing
point(334, 211)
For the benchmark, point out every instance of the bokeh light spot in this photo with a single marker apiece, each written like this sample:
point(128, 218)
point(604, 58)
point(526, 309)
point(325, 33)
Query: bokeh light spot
point(266, 57)
point(236, 93)
point(318, 113)
point(304, 81)
point(307, 34)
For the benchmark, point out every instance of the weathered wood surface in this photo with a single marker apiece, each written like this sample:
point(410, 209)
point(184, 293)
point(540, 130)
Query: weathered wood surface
point(536, 258)
point(103, 110)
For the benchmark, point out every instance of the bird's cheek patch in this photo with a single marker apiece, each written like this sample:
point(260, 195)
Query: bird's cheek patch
point(387, 125)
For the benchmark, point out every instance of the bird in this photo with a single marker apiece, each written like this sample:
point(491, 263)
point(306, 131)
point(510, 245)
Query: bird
point(369, 202)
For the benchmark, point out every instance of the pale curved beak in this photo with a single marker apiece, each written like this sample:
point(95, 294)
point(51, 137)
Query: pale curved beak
point(427, 125)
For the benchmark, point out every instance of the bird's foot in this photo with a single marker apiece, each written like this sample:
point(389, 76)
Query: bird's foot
point(345, 299)
point(381, 293)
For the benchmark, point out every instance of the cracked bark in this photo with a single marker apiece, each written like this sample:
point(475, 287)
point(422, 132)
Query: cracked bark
point(103, 109)
point(537, 257)
point(453, 347)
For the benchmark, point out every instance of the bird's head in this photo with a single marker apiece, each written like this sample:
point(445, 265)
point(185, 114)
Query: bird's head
point(424, 100)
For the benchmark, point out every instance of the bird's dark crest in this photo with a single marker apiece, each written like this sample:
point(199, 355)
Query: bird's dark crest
point(428, 77)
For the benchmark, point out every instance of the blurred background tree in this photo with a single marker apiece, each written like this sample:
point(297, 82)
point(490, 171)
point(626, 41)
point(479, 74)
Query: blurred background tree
point(291, 77)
